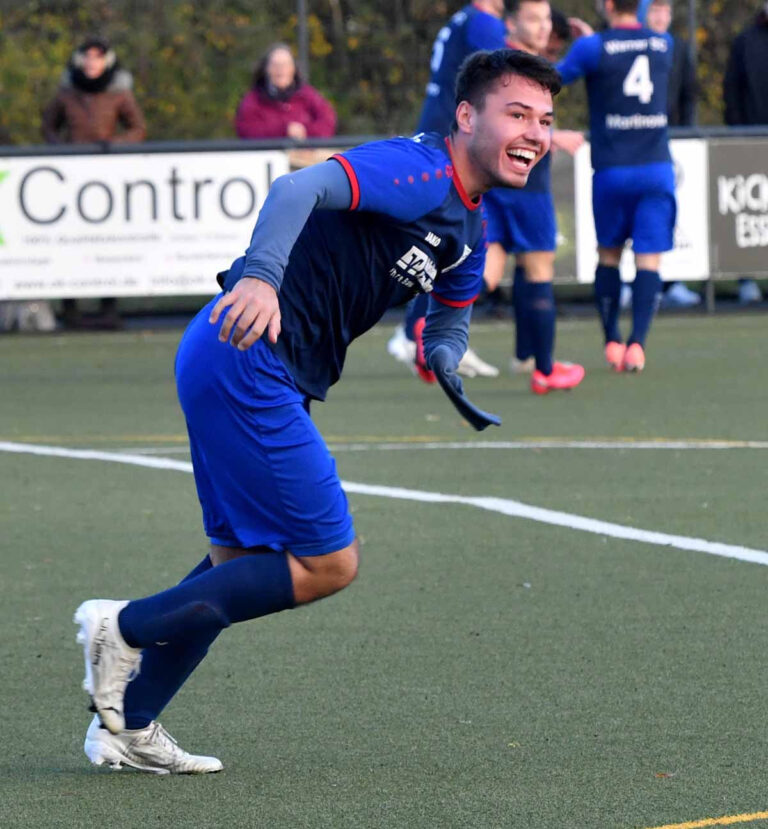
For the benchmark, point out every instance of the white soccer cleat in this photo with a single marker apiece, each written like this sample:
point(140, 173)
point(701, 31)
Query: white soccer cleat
point(526, 366)
point(401, 348)
point(110, 664)
point(150, 749)
point(471, 365)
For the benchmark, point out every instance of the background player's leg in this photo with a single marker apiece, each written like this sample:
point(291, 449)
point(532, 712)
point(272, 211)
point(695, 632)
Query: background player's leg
point(538, 305)
point(646, 293)
point(523, 342)
point(608, 292)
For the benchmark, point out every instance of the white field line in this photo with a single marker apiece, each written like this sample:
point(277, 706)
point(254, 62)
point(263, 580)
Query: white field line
point(551, 444)
point(504, 506)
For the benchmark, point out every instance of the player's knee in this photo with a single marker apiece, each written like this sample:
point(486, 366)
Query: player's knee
point(344, 567)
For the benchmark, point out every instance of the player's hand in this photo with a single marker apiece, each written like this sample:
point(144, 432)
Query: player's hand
point(441, 362)
point(253, 309)
point(296, 130)
point(579, 27)
point(568, 140)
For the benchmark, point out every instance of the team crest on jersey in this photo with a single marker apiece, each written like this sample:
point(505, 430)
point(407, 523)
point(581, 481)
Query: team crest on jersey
point(415, 266)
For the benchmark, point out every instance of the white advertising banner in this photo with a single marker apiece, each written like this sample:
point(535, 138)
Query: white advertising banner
point(690, 258)
point(127, 225)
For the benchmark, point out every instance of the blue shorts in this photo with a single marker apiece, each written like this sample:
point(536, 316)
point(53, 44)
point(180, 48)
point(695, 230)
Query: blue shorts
point(520, 221)
point(637, 203)
point(264, 475)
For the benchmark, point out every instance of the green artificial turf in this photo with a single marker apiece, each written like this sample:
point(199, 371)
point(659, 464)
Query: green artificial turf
point(483, 671)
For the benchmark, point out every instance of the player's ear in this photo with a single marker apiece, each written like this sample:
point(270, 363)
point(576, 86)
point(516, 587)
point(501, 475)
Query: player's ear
point(465, 117)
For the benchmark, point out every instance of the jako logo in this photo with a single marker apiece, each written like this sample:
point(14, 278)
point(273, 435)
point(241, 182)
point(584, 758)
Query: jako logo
point(45, 197)
point(418, 264)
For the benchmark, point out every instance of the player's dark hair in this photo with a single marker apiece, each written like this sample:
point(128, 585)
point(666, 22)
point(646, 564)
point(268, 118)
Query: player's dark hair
point(560, 25)
point(513, 6)
point(625, 6)
point(482, 70)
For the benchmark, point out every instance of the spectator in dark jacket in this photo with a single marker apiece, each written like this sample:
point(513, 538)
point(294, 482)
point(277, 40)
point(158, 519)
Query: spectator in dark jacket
point(94, 103)
point(745, 92)
point(280, 104)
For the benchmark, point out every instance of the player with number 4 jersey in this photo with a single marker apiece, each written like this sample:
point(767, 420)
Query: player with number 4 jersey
point(626, 69)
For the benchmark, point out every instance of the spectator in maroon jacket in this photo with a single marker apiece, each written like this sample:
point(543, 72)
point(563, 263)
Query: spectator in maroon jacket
point(280, 104)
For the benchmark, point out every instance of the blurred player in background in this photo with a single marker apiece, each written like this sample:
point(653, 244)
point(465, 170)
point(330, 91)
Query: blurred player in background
point(626, 69)
point(523, 223)
point(341, 242)
point(479, 25)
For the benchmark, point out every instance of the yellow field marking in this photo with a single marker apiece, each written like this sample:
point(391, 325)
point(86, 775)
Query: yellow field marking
point(728, 820)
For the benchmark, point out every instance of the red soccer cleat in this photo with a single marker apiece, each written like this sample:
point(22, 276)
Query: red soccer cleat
point(634, 360)
point(419, 363)
point(614, 355)
point(563, 376)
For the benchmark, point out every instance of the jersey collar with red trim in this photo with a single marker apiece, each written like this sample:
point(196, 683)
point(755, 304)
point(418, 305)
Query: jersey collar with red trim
point(465, 199)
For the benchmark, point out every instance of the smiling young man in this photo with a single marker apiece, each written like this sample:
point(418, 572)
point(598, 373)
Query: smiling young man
point(334, 247)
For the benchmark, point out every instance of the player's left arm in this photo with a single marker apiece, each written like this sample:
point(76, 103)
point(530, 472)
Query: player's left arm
point(252, 302)
point(446, 332)
point(582, 58)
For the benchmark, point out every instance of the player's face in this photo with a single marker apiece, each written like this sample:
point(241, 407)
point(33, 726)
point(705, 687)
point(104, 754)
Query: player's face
point(533, 25)
point(659, 17)
point(511, 133)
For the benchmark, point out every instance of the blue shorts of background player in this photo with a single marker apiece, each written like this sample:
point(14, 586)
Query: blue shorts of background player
point(636, 203)
point(276, 482)
point(520, 221)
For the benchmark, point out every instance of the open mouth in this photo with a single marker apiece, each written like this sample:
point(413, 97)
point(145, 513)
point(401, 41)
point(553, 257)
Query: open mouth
point(522, 158)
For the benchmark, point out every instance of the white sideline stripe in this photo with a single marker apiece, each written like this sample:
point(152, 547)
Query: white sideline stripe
point(504, 506)
point(552, 444)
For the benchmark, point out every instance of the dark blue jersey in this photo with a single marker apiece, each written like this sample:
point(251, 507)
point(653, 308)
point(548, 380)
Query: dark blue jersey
point(467, 31)
point(411, 229)
point(627, 76)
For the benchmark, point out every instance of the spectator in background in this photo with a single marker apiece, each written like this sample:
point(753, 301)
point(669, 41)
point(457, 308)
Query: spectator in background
point(280, 104)
point(746, 97)
point(681, 103)
point(94, 103)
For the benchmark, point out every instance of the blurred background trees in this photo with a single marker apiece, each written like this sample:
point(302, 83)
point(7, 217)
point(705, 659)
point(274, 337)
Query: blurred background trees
point(192, 61)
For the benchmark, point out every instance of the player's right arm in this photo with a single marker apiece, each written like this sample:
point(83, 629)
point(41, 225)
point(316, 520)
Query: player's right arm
point(251, 303)
point(582, 59)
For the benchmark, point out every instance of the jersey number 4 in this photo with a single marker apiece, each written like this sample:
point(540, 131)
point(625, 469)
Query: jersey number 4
point(638, 83)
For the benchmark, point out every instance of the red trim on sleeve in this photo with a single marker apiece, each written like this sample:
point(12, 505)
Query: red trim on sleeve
point(353, 183)
point(455, 303)
point(466, 201)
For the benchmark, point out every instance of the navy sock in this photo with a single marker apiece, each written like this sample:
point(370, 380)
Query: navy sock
point(240, 589)
point(164, 669)
point(646, 292)
point(523, 342)
point(607, 297)
point(415, 309)
point(541, 316)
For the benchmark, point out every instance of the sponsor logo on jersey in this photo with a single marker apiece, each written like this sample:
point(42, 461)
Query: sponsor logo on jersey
point(415, 266)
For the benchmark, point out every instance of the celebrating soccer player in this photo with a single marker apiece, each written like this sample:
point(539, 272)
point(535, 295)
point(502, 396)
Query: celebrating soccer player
point(626, 68)
point(334, 247)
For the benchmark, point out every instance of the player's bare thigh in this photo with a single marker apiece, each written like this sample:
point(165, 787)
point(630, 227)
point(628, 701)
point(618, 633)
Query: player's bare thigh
point(643, 261)
point(313, 577)
point(495, 259)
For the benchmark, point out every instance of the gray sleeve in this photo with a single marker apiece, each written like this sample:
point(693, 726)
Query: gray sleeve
point(291, 199)
point(446, 325)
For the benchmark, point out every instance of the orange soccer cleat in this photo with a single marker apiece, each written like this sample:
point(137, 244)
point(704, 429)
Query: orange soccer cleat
point(634, 359)
point(563, 376)
point(614, 355)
